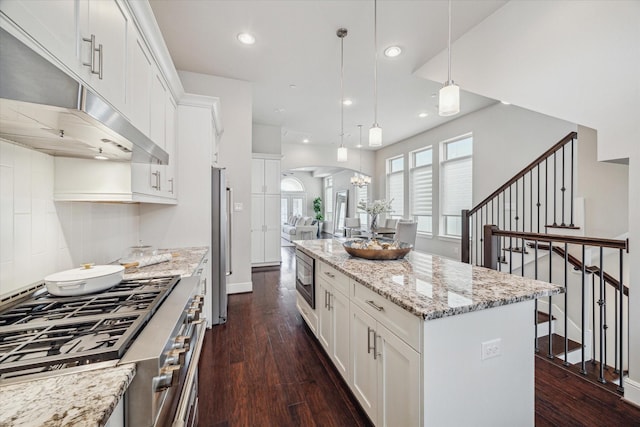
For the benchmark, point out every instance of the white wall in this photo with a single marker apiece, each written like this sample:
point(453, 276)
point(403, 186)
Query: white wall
point(234, 154)
point(604, 187)
point(266, 139)
point(497, 130)
point(575, 60)
point(39, 237)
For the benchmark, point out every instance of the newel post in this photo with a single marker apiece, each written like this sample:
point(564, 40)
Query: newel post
point(465, 238)
point(491, 247)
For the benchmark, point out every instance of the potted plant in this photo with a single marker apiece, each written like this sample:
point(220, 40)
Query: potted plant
point(317, 208)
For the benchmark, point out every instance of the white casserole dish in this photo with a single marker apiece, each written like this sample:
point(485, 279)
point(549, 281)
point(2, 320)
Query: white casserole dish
point(84, 280)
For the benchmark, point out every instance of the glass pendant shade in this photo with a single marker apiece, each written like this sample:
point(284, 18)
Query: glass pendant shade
point(375, 136)
point(449, 103)
point(360, 180)
point(342, 154)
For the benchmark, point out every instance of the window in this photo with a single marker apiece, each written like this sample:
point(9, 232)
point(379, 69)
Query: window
point(328, 199)
point(362, 193)
point(421, 189)
point(455, 183)
point(395, 186)
point(290, 184)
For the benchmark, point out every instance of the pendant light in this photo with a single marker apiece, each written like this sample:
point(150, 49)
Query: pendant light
point(342, 150)
point(359, 180)
point(449, 102)
point(375, 133)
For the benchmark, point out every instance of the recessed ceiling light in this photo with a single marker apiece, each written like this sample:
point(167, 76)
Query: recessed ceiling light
point(433, 95)
point(279, 110)
point(292, 86)
point(359, 146)
point(306, 140)
point(423, 115)
point(246, 38)
point(100, 157)
point(506, 103)
point(392, 51)
point(347, 102)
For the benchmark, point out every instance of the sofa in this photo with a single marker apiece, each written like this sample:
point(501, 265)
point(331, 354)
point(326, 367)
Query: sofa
point(299, 228)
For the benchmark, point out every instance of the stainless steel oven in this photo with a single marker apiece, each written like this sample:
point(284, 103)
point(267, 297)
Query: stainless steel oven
point(305, 283)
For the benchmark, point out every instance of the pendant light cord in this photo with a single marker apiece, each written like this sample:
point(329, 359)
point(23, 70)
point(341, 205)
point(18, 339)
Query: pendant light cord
point(360, 150)
point(342, 89)
point(375, 63)
point(449, 47)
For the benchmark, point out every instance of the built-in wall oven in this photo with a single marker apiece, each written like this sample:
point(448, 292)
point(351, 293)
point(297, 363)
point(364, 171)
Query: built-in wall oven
point(305, 283)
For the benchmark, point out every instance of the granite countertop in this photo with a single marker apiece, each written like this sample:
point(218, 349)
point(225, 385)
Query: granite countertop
point(184, 263)
point(85, 398)
point(430, 286)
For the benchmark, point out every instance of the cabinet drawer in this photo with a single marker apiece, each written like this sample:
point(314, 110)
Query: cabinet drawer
point(308, 314)
point(399, 321)
point(339, 281)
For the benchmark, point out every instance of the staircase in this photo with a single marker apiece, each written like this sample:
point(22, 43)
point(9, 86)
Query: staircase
point(530, 226)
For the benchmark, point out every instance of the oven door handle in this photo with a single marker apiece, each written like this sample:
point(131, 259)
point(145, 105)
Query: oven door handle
point(183, 405)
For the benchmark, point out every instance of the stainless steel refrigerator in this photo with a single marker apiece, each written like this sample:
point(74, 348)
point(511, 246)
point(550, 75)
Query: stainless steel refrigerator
point(221, 222)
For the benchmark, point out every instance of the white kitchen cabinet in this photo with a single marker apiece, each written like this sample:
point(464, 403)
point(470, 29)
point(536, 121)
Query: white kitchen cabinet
point(265, 175)
point(141, 73)
point(265, 235)
point(385, 372)
point(333, 315)
point(265, 210)
point(52, 24)
point(169, 185)
point(104, 46)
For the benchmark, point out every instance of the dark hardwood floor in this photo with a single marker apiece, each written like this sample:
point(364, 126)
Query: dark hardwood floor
point(265, 368)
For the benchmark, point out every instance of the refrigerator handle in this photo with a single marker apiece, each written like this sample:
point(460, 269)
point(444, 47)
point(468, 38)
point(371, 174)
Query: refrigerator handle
point(230, 229)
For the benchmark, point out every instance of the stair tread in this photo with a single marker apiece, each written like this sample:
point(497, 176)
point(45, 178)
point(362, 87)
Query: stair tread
point(544, 317)
point(557, 342)
point(516, 250)
point(592, 372)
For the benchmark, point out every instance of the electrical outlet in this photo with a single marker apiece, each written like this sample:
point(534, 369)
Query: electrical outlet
point(491, 348)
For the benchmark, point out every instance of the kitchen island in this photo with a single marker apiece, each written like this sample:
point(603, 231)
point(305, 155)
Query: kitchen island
point(427, 340)
point(90, 395)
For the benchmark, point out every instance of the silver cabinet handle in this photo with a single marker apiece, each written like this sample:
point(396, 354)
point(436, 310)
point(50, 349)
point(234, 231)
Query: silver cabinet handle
point(171, 190)
point(326, 300)
point(204, 286)
point(156, 174)
point(333, 276)
point(374, 305)
point(99, 73)
point(369, 348)
point(330, 297)
point(230, 229)
point(92, 44)
point(375, 346)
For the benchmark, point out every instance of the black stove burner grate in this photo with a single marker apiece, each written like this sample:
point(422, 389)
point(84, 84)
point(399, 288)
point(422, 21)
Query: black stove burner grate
point(47, 332)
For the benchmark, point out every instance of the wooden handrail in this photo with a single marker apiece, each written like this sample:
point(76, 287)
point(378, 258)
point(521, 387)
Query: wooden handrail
point(591, 269)
point(523, 172)
point(578, 240)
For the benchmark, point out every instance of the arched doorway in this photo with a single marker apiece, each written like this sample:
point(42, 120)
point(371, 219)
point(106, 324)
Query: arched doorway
point(293, 198)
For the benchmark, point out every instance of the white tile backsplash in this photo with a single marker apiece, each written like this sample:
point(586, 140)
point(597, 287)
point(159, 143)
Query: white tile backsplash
point(39, 236)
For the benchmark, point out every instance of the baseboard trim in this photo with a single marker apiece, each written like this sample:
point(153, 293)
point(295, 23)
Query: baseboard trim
point(239, 288)
point(632, 392)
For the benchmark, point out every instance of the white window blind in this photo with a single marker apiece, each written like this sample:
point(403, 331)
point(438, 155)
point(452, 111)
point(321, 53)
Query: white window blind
point(421, 187)
point(456, 185)
point(395, 186)
point(362, 194)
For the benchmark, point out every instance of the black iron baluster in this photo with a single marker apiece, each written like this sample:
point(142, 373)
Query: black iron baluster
point(546, 192)
point(566, 306)
point(615, 333)
point(593, 318)
point(601, 303)
point(511, 229)
point(550, 355)
point(583, 365)
point(531, 201)
point(563, 189)
point(555, 186)
point(538, 203)
point(621, 330)
point(535, 276)
point(571, 183)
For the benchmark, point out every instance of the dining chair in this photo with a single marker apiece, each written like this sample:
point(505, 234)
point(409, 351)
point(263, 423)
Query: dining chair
point(390, 223)
point(406, 232)
point(351, 226)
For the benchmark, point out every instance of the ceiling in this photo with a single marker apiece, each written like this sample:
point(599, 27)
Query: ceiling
point(294, 65)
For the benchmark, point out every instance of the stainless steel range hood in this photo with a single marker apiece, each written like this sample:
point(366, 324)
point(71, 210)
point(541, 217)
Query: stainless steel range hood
point(43, 108)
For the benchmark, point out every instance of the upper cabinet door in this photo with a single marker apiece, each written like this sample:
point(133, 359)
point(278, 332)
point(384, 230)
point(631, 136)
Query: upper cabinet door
point(272, 176)
point(103, 49)
point(138, 90)
point(51, 23)
point(257, 176)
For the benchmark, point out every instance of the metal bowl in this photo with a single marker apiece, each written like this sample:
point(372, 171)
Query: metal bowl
point(378, 254)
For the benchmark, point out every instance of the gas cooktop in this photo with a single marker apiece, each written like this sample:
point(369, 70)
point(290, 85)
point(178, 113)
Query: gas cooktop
point(47, 332)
